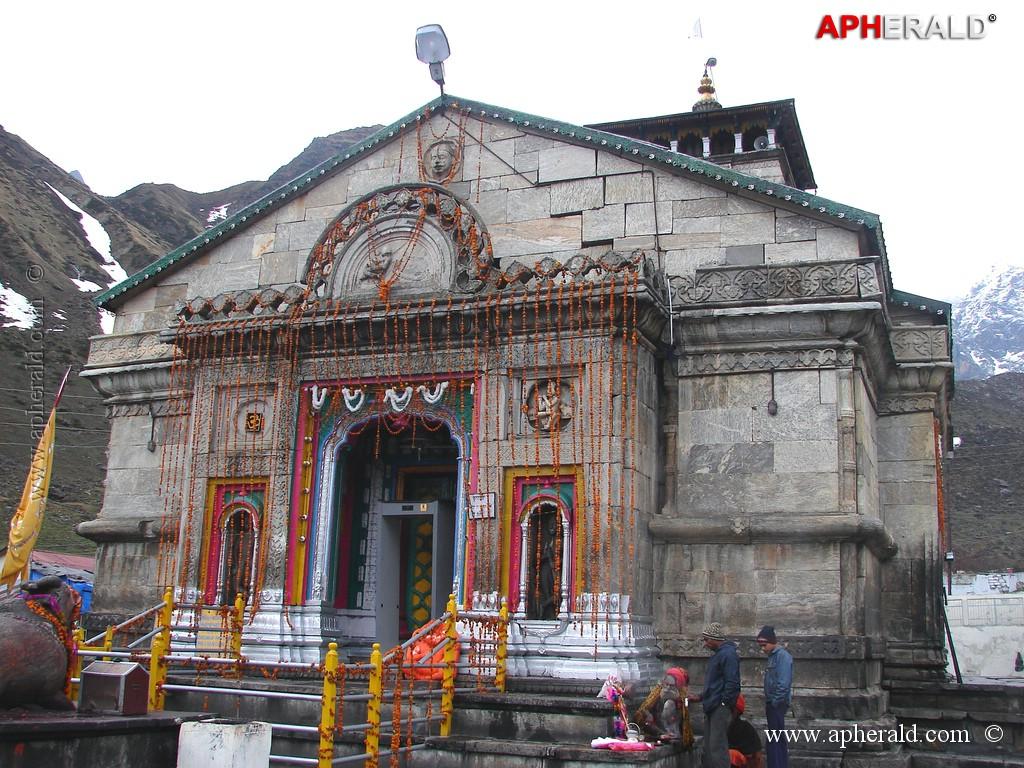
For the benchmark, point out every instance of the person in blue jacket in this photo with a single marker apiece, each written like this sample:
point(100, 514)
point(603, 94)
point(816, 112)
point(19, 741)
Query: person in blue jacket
point(778, 692)
point(721, 689)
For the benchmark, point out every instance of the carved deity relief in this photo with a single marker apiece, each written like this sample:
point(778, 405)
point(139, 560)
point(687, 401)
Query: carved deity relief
point(548, 405)
point(440, 161)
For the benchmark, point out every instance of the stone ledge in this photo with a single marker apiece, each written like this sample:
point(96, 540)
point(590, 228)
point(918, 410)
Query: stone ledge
point(787, 529)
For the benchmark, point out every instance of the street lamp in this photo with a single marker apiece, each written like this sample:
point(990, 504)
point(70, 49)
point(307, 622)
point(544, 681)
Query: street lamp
point(432, 49)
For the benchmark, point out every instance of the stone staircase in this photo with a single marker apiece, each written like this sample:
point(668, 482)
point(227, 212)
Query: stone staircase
point(539, 723)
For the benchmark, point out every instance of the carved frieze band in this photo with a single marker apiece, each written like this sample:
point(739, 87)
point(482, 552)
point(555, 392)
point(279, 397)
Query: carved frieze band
point(728, 285)
point(129, 348)
point(920, 343)
point(158, 408)
point(732, 362)
point(906, 404)
point(272, 303)
point(806, 647)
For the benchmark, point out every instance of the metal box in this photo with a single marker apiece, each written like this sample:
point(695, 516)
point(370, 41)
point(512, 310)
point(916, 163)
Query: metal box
point(109, 686)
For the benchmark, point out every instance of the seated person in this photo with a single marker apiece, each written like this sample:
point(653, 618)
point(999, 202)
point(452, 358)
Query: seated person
point(664, 715)
point(745, 749)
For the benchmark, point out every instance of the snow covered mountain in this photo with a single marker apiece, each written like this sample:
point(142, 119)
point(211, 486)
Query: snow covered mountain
point(988, 326)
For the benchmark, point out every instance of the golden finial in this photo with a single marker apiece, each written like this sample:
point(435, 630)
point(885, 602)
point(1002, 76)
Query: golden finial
point(707, 100)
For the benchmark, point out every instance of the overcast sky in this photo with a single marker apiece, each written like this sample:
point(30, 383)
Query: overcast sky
point(207, 94)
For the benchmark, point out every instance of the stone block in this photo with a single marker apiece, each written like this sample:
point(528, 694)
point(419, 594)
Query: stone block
point(604, 223)
point(709, 206)
point(797, 388)
point(745, 255)
point(511, 181)
point(811, 613)
point(666, 611)
point(905, 443)
point(609, 164)
point(748, 228)
point(908, 492)
point(363, 182)
point(687, 262)
point(527, 161)
point(788, 253)
point(565, 161)
point(492, 205)
point(712, 392)
point(739, 204)
point(530, 142)
point(539, 236)
point(792, 228)
point(900, 471)
point(798, 422)
point(681, 188)
point(688, 241)
point(226, 277)
point(168, 295)
point(576, 196)
point(629, 188)
point(694, 226)
point(495, 158)
point(732, 610)
point(641, 218)
point(800, 583)
point(718, 425)
point(498, 131)
point(827, 382)
point(526, 204)
point(737, 459)
point(806, 456)
point(298, 235)
point(834, 243)
point(278, 269)
point(639, 242)
point(325, 213)
point(737, 495)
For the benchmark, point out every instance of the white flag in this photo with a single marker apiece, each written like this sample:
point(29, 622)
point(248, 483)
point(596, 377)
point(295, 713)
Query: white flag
point(697, 31)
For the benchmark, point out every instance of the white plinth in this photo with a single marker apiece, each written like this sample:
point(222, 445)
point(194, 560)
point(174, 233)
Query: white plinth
point(224, 744)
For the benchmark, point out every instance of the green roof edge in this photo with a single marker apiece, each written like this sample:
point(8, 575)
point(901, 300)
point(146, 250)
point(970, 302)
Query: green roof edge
point(715, 174)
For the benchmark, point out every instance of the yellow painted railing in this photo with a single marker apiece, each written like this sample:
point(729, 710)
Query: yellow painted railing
point(394, 678)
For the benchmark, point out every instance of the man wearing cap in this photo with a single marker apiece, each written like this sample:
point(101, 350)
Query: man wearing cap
point(778, 693)
point(721, 689)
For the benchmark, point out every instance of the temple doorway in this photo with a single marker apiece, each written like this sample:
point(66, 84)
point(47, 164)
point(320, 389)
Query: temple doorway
point(397, 484)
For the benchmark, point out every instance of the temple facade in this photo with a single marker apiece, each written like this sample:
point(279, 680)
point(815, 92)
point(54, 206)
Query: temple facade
point(630, 378)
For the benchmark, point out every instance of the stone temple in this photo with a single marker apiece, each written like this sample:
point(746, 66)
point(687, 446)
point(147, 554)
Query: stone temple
point(631, 377)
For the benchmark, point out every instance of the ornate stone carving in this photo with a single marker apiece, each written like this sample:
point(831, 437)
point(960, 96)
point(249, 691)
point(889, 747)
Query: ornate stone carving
point(420, 238)
point(751, 285)
point(728, 362)
point(920, 343)
point(906, 404)
point(441, 160)
point(157, 408)
point(128, 348)
point(548, 405)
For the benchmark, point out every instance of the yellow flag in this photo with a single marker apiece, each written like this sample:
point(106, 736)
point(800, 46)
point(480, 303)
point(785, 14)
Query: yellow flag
point(28, 519)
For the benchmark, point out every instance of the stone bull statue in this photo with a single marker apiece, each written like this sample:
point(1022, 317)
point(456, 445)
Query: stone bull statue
point(36, 644)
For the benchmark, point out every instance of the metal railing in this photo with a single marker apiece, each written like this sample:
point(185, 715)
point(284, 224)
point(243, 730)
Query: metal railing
point(402, 677)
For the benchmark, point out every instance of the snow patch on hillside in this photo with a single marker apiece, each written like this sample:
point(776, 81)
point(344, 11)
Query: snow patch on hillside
point(17, 309)
point(988, 326)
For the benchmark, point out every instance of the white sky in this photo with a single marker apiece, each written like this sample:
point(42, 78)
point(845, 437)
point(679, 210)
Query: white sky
point(207, 94)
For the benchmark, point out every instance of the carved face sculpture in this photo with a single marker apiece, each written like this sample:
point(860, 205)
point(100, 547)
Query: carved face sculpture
point(439, 160)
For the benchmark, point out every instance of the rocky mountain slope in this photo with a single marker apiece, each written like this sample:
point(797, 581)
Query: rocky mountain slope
point(988, 324)
point(985, 477)
point(53, 229)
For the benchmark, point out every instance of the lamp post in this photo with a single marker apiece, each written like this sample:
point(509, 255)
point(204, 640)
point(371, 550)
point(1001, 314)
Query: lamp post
point(432, 49)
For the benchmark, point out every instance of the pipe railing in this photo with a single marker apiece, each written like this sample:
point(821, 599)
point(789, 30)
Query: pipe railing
point(382, 671)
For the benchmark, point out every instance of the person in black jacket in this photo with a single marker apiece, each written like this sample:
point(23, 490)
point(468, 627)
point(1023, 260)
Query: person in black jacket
point(721, 689)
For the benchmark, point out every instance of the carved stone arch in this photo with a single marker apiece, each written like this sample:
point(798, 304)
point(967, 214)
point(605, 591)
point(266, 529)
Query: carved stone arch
point(404, 239)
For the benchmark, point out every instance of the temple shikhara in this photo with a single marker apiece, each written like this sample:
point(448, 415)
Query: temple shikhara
point(630, 378)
